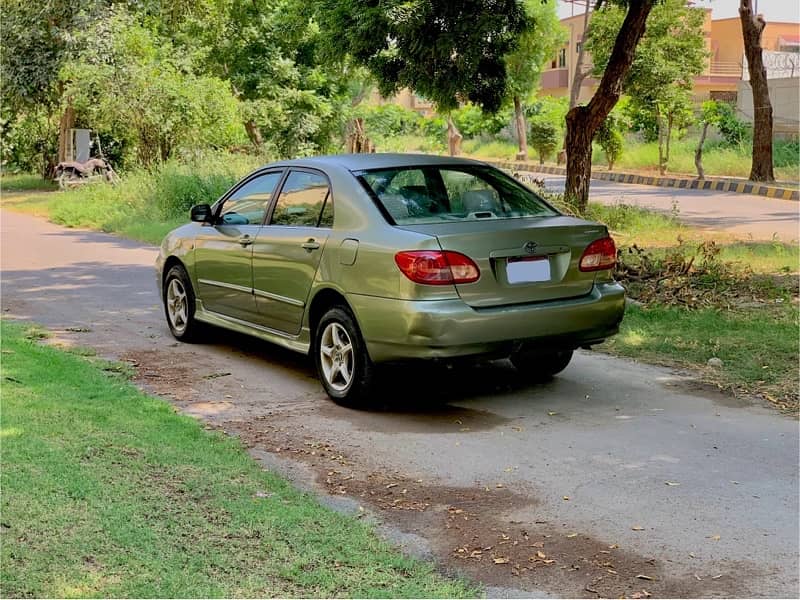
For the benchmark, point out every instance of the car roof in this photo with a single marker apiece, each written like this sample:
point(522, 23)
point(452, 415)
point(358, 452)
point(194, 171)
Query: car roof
point(359, 162)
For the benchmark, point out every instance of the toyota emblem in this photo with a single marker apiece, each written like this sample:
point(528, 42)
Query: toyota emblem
point(530, 247)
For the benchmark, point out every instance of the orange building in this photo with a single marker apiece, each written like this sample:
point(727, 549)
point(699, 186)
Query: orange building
point(723, 71)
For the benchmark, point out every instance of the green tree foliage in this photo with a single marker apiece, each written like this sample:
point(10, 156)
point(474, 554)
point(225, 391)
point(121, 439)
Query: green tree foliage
point(610, 138)
point(126, 80)
point(536, 46)
point(669, 55)
point(544, 137)
point(446, 51)
point(292, 100)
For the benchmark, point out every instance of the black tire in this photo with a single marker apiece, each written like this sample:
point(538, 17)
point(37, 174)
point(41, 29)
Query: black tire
point(179, 305)
point(346, 375)
point(540, 366)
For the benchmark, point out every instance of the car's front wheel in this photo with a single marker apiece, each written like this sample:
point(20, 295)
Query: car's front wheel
point(539, 366)
point(343, 365)
point(179, 304)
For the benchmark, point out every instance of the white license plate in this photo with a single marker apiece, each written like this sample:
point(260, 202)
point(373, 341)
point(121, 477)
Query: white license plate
point(528, 270)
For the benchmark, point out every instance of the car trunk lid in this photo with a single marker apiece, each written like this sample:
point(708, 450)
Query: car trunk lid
point(520, 260)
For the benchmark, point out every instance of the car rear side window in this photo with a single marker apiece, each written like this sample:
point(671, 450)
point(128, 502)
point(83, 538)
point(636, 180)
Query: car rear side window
point(432, 194)
point(305, 201)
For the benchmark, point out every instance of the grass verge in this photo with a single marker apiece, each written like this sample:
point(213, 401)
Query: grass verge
point(758, 347)
point(109, 493)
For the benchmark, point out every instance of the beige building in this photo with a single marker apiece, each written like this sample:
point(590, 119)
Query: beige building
point(719, 80)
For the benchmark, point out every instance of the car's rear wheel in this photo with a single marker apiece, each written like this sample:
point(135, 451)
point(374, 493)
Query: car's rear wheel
point(343, 365)
point(179, 305)
point(540, 366)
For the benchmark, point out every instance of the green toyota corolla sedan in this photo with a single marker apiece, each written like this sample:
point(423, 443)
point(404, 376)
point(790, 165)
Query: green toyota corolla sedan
point(371, 258)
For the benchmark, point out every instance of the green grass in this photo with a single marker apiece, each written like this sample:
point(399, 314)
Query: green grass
point(718, 160)
point(24, 182)
point(109, 493)
point(758, 347)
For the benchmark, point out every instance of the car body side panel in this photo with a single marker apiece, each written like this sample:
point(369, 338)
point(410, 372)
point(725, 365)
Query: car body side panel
point(283, 271)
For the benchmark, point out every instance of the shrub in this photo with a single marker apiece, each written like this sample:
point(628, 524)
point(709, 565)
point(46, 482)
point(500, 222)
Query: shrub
point(543, 137)
point(610, 139)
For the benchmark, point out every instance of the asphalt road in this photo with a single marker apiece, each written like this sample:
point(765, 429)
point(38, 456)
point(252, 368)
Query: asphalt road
point(627, 478)
point(744, 215)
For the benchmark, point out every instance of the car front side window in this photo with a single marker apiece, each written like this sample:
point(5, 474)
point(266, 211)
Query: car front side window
point(248, 204)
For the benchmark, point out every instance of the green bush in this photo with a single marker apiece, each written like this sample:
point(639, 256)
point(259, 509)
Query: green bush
point(543, 137)
point(163, 194)
point(473, 122)
point(610, 139)
point(389, 120)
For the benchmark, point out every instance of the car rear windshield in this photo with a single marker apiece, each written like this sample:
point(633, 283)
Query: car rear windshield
point(433, 194)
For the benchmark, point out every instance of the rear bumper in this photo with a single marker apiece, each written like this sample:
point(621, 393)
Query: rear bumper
point(405, 329)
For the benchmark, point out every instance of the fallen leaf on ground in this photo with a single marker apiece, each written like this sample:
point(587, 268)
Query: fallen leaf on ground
point(566, 497)
point(637, 528)
point(639, 595)
point(717, 576)
point(541, 554)
point(572, 535)
point(671, 483)
point(714, 537)
point(550, 413)
point(646, 577)
point(501, 561)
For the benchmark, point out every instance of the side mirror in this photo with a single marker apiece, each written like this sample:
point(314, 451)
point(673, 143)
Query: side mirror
point(201, 213)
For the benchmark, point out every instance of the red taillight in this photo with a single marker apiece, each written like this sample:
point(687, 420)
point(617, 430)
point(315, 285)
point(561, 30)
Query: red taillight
point(433, 267)
point(599, 255)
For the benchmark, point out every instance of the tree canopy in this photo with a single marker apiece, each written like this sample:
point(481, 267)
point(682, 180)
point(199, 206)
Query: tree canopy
point(446, 51)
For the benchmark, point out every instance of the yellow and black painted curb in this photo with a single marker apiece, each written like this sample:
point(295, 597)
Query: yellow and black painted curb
point(714, 184)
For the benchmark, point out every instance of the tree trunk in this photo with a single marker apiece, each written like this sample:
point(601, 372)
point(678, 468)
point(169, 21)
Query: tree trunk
point(583, 121)
point(580, 74)
point(752, 27)
point(698, 154)
point(522, 129)
point(254, 133)
point(670, 122)
point(66, 123)
point(454, 137)
point(662, 163)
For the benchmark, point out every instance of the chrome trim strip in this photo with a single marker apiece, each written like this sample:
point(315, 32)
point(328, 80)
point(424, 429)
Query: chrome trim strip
point(230, 286)
point(283, 299)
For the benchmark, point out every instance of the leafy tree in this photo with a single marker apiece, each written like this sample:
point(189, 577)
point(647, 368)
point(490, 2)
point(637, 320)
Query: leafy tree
point(752, 28)
point(127, 80)
point(669, 55)
point(583, 121)
point(446, 51)
point(35, 41)
point(536, 45)
point(270, 53)
point(722, 116)
point(544, 137)
point(610, 139)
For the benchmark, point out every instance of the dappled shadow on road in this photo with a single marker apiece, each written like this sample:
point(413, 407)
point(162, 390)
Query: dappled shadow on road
point(98, 237)
point(85, 293)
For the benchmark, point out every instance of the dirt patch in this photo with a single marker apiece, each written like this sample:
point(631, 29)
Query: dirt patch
point(436, 418)
point(475, 529)
point(160, 373)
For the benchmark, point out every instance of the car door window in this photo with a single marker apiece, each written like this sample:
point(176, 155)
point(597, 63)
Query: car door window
point(305, 201)
point(248, 205)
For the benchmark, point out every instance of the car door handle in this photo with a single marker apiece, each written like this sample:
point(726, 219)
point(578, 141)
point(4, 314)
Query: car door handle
point(310, 245)
point(245, 240)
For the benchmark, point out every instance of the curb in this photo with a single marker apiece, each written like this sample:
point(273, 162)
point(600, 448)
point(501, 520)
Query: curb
point(714, 184)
